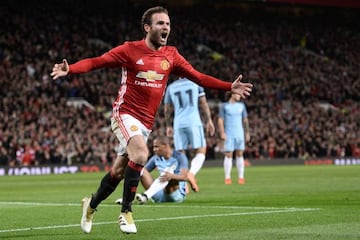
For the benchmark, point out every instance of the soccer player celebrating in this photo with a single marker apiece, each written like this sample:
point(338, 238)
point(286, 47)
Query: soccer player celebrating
point(146, 65)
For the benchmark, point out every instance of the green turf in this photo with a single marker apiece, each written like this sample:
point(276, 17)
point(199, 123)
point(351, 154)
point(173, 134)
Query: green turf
point(282, 202)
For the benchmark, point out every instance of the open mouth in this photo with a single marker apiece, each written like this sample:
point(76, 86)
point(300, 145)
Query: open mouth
point(164, 35)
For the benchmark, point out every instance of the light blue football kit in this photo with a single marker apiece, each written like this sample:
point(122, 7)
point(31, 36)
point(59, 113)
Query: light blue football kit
point(184, 95)
point(175, 163)
point(233, 115)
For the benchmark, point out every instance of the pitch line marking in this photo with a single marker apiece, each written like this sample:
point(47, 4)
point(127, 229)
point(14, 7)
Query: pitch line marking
point(274, 210)
point(40, 204)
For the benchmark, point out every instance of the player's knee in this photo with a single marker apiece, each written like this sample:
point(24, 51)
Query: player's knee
point(118, 168)
point(140, 157)
point(201, 150)
point(118, 172)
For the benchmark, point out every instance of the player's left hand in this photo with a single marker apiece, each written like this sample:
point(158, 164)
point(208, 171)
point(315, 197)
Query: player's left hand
point(166, 176)
point(60, 70)
point(243, 89)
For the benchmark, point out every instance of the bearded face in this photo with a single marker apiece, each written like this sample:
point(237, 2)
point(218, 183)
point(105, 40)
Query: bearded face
point(159, 30)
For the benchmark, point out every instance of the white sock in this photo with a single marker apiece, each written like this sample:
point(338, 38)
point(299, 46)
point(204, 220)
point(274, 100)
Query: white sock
point(196, 163)
point(227, 166)
point(240, 166)
point(155, 187)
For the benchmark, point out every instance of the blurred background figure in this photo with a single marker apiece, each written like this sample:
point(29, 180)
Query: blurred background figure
point(233, 128)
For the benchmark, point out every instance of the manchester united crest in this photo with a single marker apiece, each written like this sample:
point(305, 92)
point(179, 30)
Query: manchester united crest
point(164, 65)
point(134, 128)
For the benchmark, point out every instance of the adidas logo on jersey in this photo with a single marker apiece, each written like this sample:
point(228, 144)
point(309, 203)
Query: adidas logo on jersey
point(140, 62)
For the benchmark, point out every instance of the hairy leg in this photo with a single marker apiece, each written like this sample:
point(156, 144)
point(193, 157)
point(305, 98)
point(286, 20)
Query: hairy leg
point(110, 181)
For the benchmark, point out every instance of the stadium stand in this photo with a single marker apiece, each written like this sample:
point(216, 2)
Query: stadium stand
point(304, 63)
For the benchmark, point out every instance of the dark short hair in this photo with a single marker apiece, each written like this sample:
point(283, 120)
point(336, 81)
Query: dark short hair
point(146, 18)
point(228, 95)
point(163, 140)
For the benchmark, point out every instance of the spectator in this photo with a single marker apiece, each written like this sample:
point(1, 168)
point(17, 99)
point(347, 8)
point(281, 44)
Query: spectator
point(293, 83)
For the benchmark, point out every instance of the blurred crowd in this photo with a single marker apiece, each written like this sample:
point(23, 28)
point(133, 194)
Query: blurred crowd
point(304, 64)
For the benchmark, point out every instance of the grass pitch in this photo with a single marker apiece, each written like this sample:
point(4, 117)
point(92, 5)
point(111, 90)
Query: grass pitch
point(282, 202)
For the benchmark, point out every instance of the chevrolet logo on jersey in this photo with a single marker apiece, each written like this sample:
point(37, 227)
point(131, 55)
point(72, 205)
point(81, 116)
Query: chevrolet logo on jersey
point(150, 76)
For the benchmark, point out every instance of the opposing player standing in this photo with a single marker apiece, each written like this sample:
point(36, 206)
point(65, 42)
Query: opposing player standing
point(146, 65)
point(183, 98)
point(233, 126)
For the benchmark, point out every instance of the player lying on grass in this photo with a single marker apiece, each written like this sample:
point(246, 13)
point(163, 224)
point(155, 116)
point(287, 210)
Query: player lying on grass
point(172, 165)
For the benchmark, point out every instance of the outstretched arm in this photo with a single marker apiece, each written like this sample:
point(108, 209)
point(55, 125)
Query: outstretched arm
point(238, 87)
point(82, 66)
point(183, 68)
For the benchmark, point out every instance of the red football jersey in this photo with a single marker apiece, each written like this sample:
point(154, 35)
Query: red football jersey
point(145, 73)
